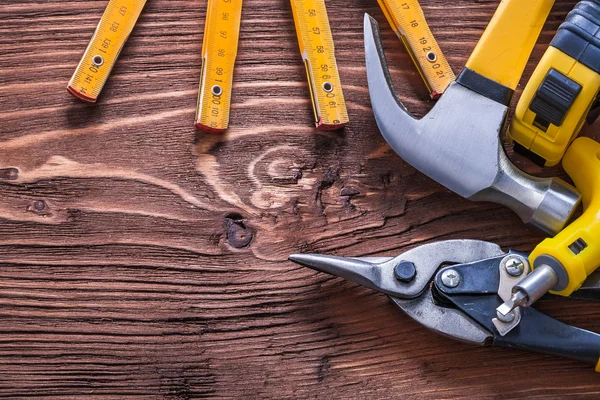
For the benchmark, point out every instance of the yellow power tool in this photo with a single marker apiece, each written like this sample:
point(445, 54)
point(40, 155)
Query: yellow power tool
point(562, 90)
point(562, 263)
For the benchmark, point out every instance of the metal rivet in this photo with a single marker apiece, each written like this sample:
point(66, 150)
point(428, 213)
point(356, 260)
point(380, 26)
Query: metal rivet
point(514, 266)
point(450, 278)
point(405, 271)
point(510, 317)
point(216, 90)
point(431, 56)
point(328, 87)
point(97, 60)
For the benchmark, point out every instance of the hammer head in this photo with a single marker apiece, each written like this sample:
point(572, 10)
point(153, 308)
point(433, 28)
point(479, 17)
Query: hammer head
point(458, 144)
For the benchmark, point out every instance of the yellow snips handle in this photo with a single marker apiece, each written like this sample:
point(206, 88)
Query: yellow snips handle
point(504, 48)
point(577, 247)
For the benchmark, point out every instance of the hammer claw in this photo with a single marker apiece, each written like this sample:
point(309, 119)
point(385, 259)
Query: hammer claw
point(389, 110)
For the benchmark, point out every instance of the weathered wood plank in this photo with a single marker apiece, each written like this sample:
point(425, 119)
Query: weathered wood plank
point(141, 257)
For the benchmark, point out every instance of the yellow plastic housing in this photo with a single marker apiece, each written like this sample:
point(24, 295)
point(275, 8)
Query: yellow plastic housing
point(504, 48)
point(552, 143)
point(582, 163)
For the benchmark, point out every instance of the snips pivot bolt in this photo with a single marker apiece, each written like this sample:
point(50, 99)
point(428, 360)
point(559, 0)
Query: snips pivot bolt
point(405, 271)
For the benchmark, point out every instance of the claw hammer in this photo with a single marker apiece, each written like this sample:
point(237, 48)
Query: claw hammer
point(458, 142)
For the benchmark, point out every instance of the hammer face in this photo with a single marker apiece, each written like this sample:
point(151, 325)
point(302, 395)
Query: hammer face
point(458, 144)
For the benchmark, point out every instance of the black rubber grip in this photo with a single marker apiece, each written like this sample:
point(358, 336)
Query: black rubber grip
point(579, 35)
point(485, 86)
point(536, 331)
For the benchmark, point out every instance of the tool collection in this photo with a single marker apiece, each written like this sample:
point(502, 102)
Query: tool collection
point(469, 290)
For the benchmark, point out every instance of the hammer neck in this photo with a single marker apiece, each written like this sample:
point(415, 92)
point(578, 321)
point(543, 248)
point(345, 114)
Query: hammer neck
point(546, 203)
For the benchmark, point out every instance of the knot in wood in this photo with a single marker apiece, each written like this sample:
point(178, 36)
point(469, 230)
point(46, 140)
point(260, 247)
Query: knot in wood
point(9, 174)
point(39, 207)
point(349, 191)
point(237, 234)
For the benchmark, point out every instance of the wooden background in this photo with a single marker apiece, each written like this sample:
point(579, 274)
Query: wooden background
point(141, 257)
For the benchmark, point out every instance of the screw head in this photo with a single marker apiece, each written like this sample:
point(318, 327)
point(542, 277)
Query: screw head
point(510, 317)
point(451, 278)
point(405, 271)
point(514, 266)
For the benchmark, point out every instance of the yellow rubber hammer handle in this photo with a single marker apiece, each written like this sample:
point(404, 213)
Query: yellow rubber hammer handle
point(504, 48)
point(577, 247)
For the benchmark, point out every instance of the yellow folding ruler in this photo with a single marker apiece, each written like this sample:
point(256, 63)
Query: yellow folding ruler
point(219, 50)
point(316, 47)
point(408, 21)
point(112, 32)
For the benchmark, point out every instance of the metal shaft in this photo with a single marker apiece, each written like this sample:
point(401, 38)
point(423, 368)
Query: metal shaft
point(530, 289)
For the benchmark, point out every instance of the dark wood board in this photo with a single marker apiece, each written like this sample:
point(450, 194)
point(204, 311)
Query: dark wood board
point(139, 257)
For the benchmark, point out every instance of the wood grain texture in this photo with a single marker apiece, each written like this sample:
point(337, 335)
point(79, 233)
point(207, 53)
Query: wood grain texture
point(139, 257)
